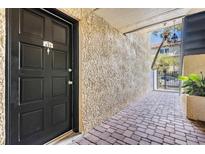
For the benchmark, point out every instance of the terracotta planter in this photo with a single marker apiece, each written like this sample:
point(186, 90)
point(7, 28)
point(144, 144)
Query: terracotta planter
point(194, 107)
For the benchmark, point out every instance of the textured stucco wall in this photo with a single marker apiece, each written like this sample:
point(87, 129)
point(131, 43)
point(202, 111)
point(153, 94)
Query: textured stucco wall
point(193, 64)
point(2, 76)
point(114, 68)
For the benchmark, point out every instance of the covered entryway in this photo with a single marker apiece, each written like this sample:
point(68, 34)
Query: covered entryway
point(42, 79)
point(42, 69)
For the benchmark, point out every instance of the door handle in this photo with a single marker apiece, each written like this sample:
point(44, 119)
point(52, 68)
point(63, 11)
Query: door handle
point(70, 82)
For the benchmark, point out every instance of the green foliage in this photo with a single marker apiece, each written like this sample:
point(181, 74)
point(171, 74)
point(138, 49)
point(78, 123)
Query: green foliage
point(193, 84)
point(164, 62)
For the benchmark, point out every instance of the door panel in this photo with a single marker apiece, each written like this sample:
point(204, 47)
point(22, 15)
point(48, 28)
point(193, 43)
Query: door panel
point(31, 123)
point(41, 105)
point(59, 60)
point(32, 24)
point(31, 89)
point(59, 33)
point(31, 56)
point(59, 113)
point(59, 86)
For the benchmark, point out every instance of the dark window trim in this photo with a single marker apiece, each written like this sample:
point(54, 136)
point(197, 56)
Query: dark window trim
point(75, 63)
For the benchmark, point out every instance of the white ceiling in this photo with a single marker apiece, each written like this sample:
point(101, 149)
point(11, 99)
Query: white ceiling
point(130, 19)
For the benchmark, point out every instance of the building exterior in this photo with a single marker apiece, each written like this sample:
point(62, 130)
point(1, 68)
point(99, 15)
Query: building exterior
point(107, 61)
point(107, 71)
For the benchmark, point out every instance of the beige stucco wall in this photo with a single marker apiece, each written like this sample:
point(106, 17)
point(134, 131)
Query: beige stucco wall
point(114, 68)
point(2, 76)
point(194, 64)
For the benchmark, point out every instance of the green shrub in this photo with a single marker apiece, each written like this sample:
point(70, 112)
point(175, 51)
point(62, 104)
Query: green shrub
point(193, 84)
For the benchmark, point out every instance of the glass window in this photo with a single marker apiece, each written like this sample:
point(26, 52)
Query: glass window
point(162, 51)
point(166, 50)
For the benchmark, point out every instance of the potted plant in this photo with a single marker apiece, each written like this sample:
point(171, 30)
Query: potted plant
point(193, 97)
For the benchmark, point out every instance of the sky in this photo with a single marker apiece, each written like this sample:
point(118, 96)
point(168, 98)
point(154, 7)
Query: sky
point(155, 37)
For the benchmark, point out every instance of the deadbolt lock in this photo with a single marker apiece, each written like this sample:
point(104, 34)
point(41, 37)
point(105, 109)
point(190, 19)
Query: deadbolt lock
point(48, 45)
point(69, 70)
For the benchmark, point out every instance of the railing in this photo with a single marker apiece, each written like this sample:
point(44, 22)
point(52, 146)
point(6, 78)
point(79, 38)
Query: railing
point(168, 80)
point(165, 36)
point(156, 55)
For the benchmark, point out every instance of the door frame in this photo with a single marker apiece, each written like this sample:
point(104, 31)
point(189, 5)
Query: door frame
point(75, 68)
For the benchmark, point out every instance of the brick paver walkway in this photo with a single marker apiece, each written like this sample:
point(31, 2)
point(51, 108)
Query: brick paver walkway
point(156, 119)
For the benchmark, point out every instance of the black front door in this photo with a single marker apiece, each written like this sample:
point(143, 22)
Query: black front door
point(40, 96)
